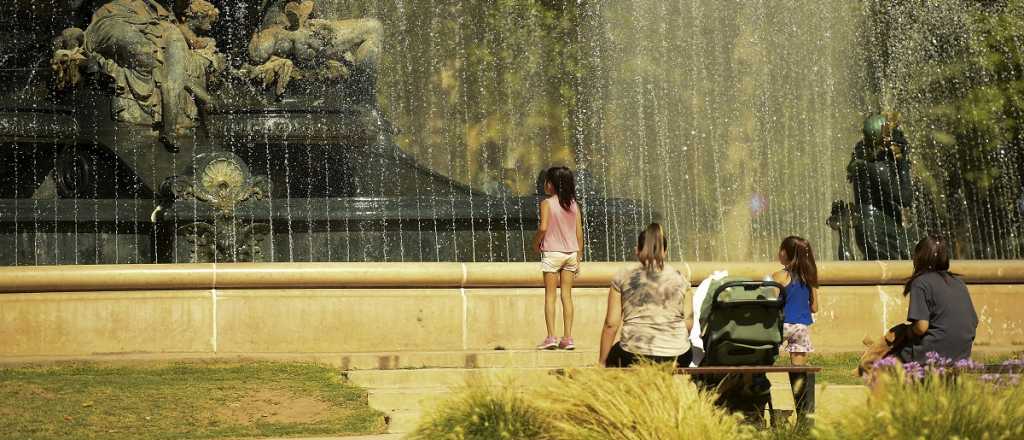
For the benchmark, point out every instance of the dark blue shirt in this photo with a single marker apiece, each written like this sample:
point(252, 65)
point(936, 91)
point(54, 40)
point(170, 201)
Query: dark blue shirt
point(798, 303)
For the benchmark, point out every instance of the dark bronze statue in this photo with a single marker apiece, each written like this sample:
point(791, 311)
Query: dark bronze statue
point(882, 190)
point(159, 73)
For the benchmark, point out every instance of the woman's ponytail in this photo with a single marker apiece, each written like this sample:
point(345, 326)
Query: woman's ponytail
point(651, 247)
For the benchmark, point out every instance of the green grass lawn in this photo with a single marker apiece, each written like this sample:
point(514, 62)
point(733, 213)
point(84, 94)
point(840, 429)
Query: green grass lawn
point(181, 400)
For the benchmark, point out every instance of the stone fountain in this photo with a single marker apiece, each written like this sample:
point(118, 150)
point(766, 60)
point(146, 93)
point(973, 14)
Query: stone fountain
point(163, 132)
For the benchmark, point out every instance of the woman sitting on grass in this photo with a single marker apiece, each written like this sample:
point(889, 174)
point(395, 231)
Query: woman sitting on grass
point(942, 317)
point(649, 302)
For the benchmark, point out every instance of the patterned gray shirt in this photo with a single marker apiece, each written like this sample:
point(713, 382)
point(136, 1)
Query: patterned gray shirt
point(654, 311)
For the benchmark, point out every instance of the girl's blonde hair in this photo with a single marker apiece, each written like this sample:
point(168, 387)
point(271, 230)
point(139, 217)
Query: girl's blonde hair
point(651, 246)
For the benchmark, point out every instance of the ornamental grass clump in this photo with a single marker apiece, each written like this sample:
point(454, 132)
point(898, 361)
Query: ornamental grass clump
point(927, 401)
point(485, 410)
point(640, 403)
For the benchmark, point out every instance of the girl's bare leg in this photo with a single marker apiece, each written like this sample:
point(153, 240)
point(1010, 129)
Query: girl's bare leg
point(798, 358)
point(550, 295)
point(567, 307)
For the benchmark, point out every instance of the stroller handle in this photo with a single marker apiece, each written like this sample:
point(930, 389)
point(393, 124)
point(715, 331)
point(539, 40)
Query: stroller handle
point(750, 285)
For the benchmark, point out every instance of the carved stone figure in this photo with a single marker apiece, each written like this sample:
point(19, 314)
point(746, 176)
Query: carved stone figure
point(223, 182)
point(880, 173)
point(68, 56)
point(197, 20)
point(291, 45)
point(155, 69)
point(206, 61)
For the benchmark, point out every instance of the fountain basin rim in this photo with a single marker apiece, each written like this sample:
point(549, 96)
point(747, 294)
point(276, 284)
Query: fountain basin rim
point(150, 277)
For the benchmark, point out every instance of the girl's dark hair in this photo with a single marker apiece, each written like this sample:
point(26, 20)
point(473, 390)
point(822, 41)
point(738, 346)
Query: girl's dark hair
point(930, 255)
point(562, 180)
point(651, 246)
point(801, 264)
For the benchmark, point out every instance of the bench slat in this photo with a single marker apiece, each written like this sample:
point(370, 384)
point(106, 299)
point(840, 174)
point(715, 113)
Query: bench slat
point(747, 370)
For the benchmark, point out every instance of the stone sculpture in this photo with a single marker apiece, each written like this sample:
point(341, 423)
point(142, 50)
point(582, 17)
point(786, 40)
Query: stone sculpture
point(223, 182)
point(290, 45)
point(880, 174)
point(157, 62)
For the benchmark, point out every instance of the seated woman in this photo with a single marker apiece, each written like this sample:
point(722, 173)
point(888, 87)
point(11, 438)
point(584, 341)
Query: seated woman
point(942, 317)
point(649, 302)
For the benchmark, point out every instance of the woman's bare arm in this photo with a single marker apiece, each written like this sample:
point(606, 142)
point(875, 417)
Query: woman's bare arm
point(612, 322)
point(919, 327)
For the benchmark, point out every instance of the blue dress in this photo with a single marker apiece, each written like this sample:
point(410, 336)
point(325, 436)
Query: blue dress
point(798, 303)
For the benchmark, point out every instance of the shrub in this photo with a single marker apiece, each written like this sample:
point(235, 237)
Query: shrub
point(641, 403)
point(484, 410)
point(922, 402)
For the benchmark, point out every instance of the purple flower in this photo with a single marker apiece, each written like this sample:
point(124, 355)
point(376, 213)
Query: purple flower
point(886, 362)
point(914, 370)
point(968, 364)
point(935, 359)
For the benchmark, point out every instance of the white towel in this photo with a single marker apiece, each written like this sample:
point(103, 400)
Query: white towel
point(696, 343)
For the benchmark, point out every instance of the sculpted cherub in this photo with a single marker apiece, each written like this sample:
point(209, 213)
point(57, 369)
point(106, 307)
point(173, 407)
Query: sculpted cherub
point(289, 41)
point(68, 56)
point(195, 22)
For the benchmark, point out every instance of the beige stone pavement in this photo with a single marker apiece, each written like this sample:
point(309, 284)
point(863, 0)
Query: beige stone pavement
point(359, 437)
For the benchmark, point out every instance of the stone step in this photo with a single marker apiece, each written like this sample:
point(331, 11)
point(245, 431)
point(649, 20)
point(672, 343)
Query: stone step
point(403, 421)
point(440, 377)
point(468, 359)
point(394, 399)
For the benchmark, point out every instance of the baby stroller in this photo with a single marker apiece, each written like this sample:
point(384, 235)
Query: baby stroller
point(741, 322)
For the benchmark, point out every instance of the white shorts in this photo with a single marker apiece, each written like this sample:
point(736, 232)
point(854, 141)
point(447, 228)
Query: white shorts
point(551, 261)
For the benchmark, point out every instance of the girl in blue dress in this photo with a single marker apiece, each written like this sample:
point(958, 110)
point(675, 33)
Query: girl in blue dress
point(800, 277)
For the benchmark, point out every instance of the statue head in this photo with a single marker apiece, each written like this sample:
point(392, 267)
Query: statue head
point(201, 15)
point(297, 12)
point(873, 130)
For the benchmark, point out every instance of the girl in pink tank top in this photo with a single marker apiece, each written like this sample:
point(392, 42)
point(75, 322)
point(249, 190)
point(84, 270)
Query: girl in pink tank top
point(559, 241)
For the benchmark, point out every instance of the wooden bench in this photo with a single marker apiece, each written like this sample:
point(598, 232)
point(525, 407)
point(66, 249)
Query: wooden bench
point(1002, 369)
point(801, 378)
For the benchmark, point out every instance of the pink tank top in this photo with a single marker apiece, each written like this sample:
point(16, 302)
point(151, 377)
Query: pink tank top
point(561, 234)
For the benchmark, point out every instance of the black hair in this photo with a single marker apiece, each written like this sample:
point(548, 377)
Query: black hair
point(930, 255)
point(564, 183)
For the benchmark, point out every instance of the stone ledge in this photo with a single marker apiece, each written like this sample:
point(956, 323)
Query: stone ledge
point(34, 279)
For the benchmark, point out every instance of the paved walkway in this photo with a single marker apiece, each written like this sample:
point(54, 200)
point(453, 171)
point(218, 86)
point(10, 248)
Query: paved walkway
point(360, 437)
